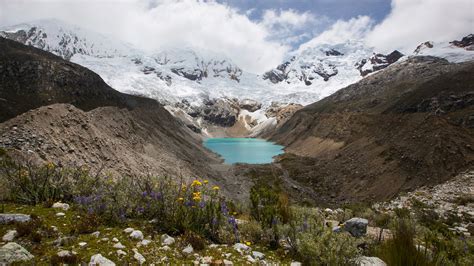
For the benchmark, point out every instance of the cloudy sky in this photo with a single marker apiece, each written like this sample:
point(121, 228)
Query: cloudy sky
point(256, 34)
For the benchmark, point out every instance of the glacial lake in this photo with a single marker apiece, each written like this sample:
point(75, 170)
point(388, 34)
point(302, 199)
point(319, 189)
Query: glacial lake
point(244, 150)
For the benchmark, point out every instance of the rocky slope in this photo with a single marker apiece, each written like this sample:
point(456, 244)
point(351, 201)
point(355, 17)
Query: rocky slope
point(406, 126)
point(57, 111)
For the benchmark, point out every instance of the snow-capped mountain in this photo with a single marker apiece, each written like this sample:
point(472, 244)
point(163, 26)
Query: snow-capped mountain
point(455, 51)
point(64, 39)
point(205, 86)
point(324, 68)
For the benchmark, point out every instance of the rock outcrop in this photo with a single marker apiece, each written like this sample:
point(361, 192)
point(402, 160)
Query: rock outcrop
point(13, 253)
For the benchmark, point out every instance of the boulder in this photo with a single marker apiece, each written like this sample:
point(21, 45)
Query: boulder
point(12, 252)
point(10, 235)
point(100, 260)
point(13, 217)
point(370, 261)
point(357, 227)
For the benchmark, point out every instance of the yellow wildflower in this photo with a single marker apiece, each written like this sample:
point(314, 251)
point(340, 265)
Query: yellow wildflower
point(180, 199)
point(50, 165)
point(183, 187)
point(196, 183)
point(215, 188)
point(206, 181)
point(248, 243)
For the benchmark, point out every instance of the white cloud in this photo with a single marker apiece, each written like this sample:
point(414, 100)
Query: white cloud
point(411, 22)
point(342, 31)
point(162, 24)
point(286, 18)
point(290, 26)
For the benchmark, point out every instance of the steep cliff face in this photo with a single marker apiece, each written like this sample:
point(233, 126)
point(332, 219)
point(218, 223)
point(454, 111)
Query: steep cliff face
point(409, 125)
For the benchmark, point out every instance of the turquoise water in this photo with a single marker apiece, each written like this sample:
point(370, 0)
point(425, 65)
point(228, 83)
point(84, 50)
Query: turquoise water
point(244, 150)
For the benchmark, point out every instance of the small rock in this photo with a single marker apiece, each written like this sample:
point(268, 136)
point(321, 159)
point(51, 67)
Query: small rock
point(206, 260)
point(295, 263)
point(240, 247)
point(165, 248)
point(61, 205)
point(119, 246)
point(82, 244)
point(139, 257)
point(188, 250)
point(145, 242)
point(100, 260)
point(64, 253)
point(167, 240)
point(370, 261)
point(136, 235)
point(55, 229)
point(258, 255)
point(60, 214)
point(128, 230)
point(250, 259)
point(115, 240)
point(121, 253)
point(104, 239)
point(228, 262)
point(10, 235)
point(13, 217)
point(356, 226)
point(12, 252)
point(96, 234)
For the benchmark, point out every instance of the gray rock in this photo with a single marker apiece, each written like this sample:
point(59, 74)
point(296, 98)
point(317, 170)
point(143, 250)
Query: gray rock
point(100, 260)
point(128, 230)
point(167, 240)
point(13, 217)
point(241, 248)
point(12, 252)
point(139, 257)
point(10, 235)
point(119, 246)
point(136, 235)
point(356, 226)
point(370, 261)
point(250, 105)
point(258, 255)
point(188, 250)
point(61, 205)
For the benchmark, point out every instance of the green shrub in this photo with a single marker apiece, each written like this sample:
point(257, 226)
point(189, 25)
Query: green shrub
point(401, 248)
point(268, 206)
